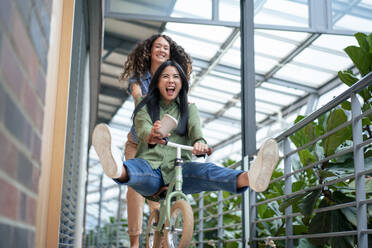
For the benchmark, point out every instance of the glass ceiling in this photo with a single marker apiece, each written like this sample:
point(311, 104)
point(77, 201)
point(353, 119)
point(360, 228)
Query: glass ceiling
point(299, 69)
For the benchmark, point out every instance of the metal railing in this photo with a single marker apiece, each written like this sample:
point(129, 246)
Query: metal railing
point(292, 169)
point(110, 235)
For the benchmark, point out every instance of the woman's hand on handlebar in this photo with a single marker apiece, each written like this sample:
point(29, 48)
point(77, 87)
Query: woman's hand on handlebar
point(155, 137)
point(200, 148)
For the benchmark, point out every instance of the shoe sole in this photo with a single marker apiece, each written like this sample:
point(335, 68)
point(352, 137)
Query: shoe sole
point(270, 157)
point(101, 141)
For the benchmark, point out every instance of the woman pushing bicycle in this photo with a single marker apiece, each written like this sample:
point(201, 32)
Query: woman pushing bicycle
point(153, 165)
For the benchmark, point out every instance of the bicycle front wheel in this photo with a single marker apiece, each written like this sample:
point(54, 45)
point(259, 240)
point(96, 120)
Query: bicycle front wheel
point(153, 238)
point(178, 233)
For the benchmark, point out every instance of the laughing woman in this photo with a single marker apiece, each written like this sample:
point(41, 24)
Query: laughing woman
point(152, 166)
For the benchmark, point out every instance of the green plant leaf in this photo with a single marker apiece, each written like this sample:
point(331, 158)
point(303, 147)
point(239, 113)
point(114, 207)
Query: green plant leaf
point(290, 200)
point(362, 41)
point(341, 197)
point(306, 157)
point(296, 186)
point(304, 243)
point(360, 58)
point(320, 224)
point(339, 223)
point(368, 185)
point(366, 121)
point(369, 210)
point(369, 40)
point(346, 105)
point(326, 173)
point(351, 214)
point(299, 229)
point(336, 118)
point(347, 77)
point(307, 205)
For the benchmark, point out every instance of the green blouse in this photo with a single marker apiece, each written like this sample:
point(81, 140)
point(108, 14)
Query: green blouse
point(164, 156)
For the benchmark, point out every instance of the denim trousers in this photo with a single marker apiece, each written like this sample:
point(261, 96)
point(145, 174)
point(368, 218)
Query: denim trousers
point(197, 177)
point(135, 201)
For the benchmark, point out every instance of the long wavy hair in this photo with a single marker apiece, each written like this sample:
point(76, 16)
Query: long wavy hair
point(139, 59)
point(152, 99)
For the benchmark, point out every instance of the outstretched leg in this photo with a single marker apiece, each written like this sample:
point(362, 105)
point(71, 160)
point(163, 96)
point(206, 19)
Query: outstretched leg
point(109, 155)
point(262, 168)
point(259, 175)
point(199, 177)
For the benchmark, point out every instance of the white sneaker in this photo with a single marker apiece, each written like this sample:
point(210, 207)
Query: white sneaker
point(108, 155)
point(262, 168)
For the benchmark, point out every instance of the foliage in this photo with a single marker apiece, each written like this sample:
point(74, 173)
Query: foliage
point(326, 170)
point(106, 235)
point(234, 232)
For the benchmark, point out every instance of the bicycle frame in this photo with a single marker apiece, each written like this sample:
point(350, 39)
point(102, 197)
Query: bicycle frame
point(176, 184)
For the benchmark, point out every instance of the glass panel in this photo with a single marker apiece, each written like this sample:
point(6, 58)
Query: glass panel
point(260, 117)
point(324, 99)
point(194, 47)
point(219, 126)
point(173, 8)
point(213, 95)
point(148, 7)
point(221, 84)
point(273, 47)
point(263, 64)
point(282, 12)
point(283, 89)
point(193, 9)
point(288, 36)
point(206, 33)
point(267, 108)
point(204, 105)
point(229, 10)
point(303, 75)
point(319, 59)
point(273, 97)
point(352, 15)
point(233, 112)
point(334, 42)
point(231, 58)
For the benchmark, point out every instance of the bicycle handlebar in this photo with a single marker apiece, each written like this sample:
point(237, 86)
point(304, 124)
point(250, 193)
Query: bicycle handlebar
point(184, 147)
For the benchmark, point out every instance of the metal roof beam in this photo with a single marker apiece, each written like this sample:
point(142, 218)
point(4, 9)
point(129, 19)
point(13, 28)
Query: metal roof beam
point(216, 58)
point(115, 42)
point(113, 91)
point(289, 57)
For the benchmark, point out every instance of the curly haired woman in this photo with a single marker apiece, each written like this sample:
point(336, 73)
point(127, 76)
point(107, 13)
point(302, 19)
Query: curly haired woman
point(139, 69)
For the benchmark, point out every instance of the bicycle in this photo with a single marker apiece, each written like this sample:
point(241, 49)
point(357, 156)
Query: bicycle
point(174, 224)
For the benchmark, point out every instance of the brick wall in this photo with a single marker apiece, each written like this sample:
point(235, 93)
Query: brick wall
point(24, 40)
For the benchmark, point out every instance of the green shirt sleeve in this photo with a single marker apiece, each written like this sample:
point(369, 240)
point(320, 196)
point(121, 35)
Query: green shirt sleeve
point(194, 131)
point(143, 123)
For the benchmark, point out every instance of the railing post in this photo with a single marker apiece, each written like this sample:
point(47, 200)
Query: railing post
point(220, 218)
point(118, 218)
point(359, 166)
point(287, 191)
point(100, 209)
point(201, 216)
point(249, 211)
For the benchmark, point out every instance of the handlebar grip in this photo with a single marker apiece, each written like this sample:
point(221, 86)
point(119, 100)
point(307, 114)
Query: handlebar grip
point(209, 152)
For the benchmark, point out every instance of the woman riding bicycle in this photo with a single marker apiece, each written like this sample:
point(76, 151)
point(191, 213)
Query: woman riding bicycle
point(152, 166)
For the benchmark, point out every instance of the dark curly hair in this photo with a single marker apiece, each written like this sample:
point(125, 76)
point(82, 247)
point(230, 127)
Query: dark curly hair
point(139, 59)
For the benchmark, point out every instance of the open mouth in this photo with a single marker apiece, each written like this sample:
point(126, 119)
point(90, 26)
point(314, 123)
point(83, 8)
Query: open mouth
point(170, 90)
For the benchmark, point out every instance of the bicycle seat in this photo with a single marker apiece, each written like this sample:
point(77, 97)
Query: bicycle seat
point(160, 195)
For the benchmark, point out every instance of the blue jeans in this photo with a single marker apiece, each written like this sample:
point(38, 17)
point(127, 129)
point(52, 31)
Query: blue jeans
point(197, 177)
